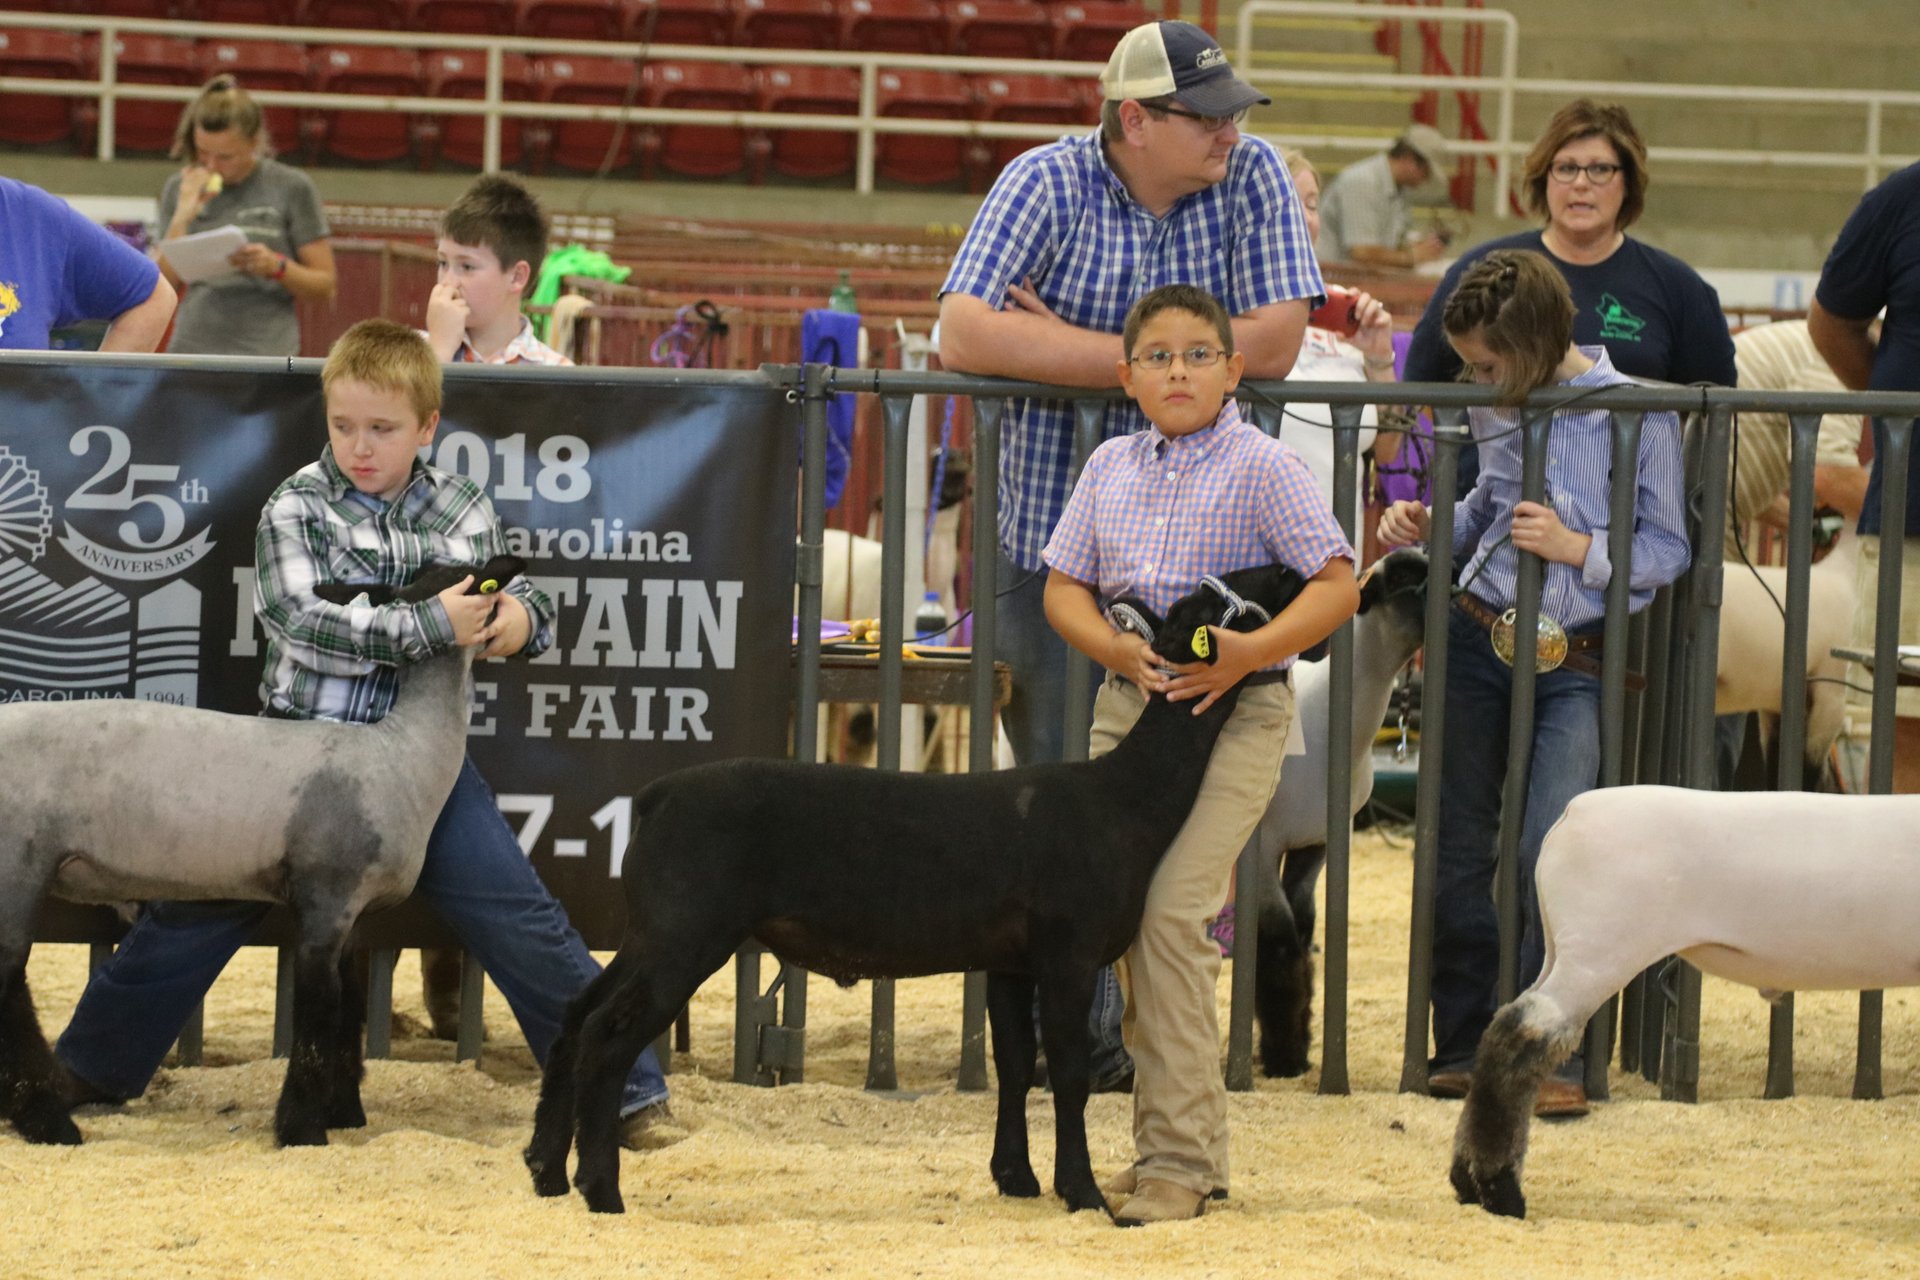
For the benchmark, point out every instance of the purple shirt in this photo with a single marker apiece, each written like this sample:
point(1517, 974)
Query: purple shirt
point(1153, 514)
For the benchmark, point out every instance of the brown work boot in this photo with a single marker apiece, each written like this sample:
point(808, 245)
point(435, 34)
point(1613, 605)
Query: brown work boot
point(1122, 1184)
point(1561, 1100)
point(1449, 1084)
point(1157, 1200)
point(651, 1128)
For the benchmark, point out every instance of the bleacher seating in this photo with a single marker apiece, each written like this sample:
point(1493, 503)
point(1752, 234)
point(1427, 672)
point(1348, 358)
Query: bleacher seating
point(999, 29)
point(464, 17)
point(1088, 32)
point(142, 59)
point(354, 15)
point(705, 22)
point(572, 19)
point(894, 26)
point(938, 95)
point(234, 11)
point(369, 137)
point(697, 150)
point(263, 64)
point(1028, 99)
point(809, 153)
point(34, 118)
point(462, 73)
point(582, 145)
point(788, 24)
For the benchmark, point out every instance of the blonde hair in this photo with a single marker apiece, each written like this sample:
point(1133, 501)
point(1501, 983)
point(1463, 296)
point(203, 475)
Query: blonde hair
point(1296, 161)
point(1519, 307)
point(222, 105)
point(388, 356)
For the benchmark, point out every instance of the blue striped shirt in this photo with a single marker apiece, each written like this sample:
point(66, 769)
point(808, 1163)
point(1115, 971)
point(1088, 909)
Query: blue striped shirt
point(1153, 514)
point(1060, 215)
point(341, 662)
point(1579, 470)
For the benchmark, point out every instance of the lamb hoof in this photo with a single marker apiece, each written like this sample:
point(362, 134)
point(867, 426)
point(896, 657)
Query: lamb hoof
point(1018, 1182)
point(1462, 1179)
point(303, 1134)
point(547, 1181)
point(1080, 1199)
point(603, 1199)
point(43, 1119)
point(1284, 1066)
point(346, 1115)
point(1501, 1195)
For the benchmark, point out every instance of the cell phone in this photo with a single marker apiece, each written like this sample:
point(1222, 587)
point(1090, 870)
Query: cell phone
point(1340, 313)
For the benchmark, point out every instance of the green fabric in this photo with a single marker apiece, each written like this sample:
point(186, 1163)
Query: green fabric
point(574, 260)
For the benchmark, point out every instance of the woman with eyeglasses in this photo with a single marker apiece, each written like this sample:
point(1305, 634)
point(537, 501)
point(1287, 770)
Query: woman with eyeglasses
point(1587, 177)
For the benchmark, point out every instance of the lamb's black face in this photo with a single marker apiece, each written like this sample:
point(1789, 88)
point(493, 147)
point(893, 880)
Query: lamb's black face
point(1398, 573)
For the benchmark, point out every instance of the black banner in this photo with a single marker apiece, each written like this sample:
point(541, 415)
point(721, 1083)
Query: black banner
point(658, 516)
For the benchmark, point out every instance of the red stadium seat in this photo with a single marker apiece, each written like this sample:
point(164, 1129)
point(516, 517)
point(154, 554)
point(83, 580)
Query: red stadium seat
point(999, 29)
point(263, 64)
point(1027, 99)
point(276, 12)
point(698, 150)
point(894, 26)
point(114, 8)
point(936, 95)
point(582, 144)
point(1088, 32)
point(788, 24)
point(32, 118)
point(572, 19)
point(810, 153)
point(375, 136)
point(463, 17)
point(680, 21)
point(462, 73)
point(141, 59)
point(354, 15)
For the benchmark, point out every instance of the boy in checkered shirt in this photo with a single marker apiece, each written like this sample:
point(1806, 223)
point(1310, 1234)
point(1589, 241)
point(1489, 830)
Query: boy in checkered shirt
point(1199, 492)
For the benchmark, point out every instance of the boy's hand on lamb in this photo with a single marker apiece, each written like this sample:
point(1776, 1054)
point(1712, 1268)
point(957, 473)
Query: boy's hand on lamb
point(510, 629)
point(1405, 522)
point(1133, 658)
point(1236, 657)
point(1537, 528)
point(470, 616)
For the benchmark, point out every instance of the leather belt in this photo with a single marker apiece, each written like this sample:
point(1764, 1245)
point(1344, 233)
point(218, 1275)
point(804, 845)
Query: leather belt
point(1583, 650)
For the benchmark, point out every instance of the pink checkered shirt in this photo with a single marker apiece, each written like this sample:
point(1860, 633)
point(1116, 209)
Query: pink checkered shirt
point(1152, 514)
point(524, 349)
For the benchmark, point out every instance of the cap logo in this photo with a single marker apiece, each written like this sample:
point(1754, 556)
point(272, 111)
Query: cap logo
point(1209, 58)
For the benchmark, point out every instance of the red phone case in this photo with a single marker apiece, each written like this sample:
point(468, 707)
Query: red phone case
point(1340, 313)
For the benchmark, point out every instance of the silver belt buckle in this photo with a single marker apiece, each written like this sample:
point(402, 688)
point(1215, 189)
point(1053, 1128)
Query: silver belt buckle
point(1550, 649)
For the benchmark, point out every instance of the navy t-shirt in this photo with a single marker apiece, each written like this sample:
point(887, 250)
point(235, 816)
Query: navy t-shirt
point(1652, 312)
point(1876, 263)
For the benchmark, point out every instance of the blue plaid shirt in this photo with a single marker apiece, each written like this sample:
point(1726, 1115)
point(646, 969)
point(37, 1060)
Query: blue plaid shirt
point(341, 662)
point(1060, 215)
point(1579, 473)
point(1152, 514)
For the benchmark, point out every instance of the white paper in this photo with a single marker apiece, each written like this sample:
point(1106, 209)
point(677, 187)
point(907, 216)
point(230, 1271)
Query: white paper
point(203, 255)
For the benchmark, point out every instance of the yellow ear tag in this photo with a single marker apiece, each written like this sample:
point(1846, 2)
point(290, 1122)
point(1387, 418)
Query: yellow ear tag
point(1201, 643)
point(490, 586)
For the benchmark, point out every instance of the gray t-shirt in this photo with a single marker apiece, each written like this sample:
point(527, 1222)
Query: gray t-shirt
point(241, 314)
point(1362, 205)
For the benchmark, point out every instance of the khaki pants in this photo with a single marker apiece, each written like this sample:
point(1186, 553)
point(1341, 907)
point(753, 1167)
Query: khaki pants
point(1867, 582)
point(1179, 1095)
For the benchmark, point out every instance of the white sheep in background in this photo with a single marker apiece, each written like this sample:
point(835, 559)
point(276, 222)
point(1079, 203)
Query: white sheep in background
point(1752, 643)
point(118, 800)
point(1781, 891)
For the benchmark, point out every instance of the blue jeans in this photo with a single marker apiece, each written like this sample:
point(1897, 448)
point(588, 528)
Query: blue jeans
point(1565, 762)
point(474, 877)
point(1035, 719)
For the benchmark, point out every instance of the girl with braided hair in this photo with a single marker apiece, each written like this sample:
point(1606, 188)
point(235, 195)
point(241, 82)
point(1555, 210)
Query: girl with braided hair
point(1510, 319)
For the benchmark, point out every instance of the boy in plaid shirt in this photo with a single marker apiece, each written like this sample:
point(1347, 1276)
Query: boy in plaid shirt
point(1199, 492)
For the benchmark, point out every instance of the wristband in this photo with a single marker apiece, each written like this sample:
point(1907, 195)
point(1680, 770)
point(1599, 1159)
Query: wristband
point(281, 269)
point(1371, 363)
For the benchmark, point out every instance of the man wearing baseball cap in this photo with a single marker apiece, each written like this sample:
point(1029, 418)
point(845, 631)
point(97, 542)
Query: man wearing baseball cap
point(1364, 214)
point(1167, 191)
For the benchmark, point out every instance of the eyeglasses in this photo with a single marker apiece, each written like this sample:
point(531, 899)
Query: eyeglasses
point(1212, 124)
point(1192, 357)
point(1599, 174)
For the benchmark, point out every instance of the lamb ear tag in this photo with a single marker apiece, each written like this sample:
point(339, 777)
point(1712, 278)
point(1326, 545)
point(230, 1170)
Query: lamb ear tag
point(1201, 643)
point(490, 586)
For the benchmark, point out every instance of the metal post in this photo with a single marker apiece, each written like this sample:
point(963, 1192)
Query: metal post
point(380, 1002)
point(1530, 576)
point(1088, 418)
point(986, 558)
point(1449, 433)
point(882, 1071)
point(1333, 1005)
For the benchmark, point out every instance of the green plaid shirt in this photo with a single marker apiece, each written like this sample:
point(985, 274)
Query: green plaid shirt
point(339, 662)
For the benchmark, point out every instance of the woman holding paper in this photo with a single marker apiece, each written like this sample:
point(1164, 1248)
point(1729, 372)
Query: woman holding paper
point(263, 219)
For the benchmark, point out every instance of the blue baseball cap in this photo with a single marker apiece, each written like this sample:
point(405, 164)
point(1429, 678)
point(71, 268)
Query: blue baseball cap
point(1177, 60)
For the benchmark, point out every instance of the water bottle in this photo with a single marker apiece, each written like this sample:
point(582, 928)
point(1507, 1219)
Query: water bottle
point(841, 298)
point(930, 619)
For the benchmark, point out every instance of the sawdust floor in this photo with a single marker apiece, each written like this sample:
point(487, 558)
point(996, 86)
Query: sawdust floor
point(825, 1178)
